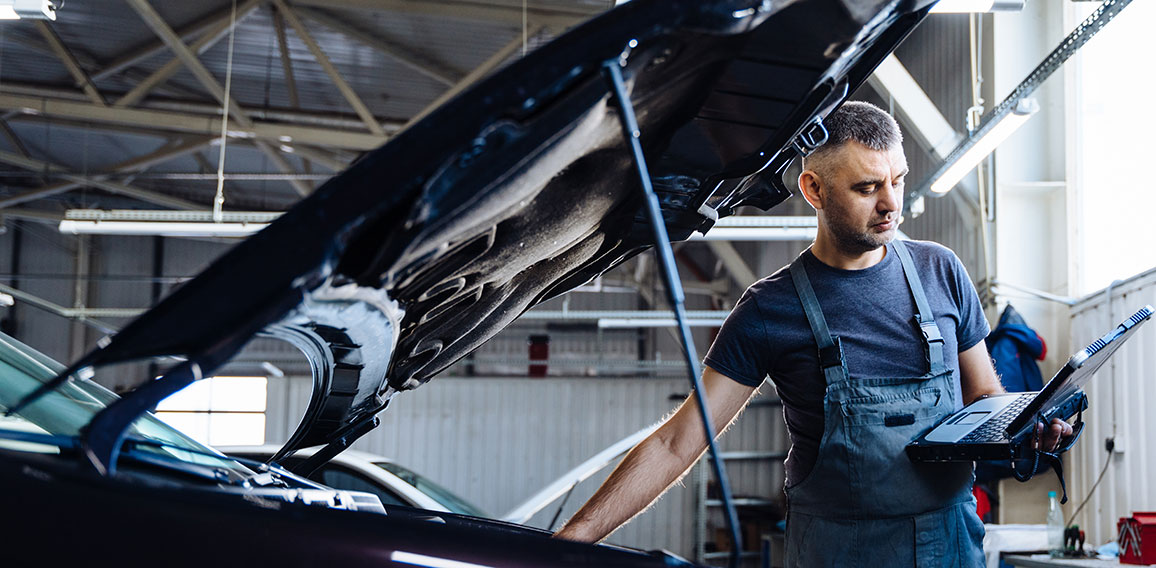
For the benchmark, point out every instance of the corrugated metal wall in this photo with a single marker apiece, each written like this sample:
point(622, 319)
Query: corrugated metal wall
point(35, 259)
point(1121, 397)
point(496, 441)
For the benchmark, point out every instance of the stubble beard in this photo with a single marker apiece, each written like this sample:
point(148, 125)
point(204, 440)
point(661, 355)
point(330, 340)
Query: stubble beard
point(853, 240)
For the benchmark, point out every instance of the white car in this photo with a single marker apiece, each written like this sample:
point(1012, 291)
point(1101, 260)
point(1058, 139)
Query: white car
point(394, 484)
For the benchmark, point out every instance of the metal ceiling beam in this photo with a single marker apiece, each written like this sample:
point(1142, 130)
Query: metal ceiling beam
point(324, 119)
point(169, 121)
point(322, 59)
point(206, 41)
point(557, 17)
point(287, 69)
point(158, 25)
point(88, 62)
point(164, 154)
point(892, 80)
point(46, 217)
point(140, 53)
point(84, 315)
point(482, 70)
point(734, 263)
point(69, 60)
point(329, 161)
point(286, 61)
point(13, 139)
point(120, 188)
point(155, 22)
point(418, 62)
point(302, 187)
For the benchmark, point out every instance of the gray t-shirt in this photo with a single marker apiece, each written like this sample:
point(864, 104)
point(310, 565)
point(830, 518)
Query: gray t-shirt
point(870, 310)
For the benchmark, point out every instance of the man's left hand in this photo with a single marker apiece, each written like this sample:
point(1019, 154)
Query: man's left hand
point(1048, 436)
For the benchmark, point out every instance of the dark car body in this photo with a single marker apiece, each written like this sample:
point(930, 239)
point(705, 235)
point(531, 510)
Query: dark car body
point(512, 193)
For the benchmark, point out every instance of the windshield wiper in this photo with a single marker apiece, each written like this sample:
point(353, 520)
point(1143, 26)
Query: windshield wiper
point(133, 452)
point(263, 470)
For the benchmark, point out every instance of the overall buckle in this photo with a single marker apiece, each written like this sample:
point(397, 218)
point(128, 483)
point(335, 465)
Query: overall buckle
point(832, 355)
point(930, 330)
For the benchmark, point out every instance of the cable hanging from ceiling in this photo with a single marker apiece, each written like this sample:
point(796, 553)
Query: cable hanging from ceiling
point(219, 199)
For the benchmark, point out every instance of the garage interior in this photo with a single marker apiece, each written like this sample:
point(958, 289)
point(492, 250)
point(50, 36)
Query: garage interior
point(112, 112)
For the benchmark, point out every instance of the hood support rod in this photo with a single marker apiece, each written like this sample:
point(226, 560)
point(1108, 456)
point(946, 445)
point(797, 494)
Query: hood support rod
point(612, 69)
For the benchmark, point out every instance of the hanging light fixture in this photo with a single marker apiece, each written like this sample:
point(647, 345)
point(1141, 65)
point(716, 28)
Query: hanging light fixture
point(214, 223)
point(989, 137)
point(1016, 108)
point(28, 9)
point(970, 6)
point(165, 223)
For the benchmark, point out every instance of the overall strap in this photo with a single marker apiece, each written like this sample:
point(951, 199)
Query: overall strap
point(830, 350)
point(932, 340)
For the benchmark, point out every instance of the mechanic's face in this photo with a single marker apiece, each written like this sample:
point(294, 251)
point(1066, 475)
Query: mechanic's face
point(860, 196)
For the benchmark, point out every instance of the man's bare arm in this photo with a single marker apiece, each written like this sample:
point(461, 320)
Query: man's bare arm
point(657, 462)
point(976, 374)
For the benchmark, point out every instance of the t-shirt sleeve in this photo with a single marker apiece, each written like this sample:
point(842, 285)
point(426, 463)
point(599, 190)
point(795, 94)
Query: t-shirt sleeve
point(741, 351)
point(973, 326)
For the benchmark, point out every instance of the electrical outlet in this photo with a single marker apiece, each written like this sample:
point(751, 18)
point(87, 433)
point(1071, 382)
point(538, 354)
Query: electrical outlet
point(1114, 445)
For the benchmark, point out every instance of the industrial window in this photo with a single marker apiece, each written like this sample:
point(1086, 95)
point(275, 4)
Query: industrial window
point(1111, 148)
point(219, 411)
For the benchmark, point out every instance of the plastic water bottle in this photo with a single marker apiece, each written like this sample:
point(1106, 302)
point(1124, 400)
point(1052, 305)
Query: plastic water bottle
point(1055, 526)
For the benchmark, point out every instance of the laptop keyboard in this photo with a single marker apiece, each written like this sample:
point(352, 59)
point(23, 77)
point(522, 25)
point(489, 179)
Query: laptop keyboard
point(993, 430)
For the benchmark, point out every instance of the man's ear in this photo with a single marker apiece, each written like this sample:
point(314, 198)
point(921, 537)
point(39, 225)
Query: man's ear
point(810, 184)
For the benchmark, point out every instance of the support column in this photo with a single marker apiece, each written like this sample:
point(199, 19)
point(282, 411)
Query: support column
point(77, 344)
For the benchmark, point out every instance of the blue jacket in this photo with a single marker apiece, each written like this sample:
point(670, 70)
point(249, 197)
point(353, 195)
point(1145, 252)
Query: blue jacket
point(1015, 347)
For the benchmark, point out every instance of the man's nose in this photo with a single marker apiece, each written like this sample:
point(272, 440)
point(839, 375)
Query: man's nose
point(889, 199)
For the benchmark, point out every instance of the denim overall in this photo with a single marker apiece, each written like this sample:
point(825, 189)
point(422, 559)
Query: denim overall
point(864, 504)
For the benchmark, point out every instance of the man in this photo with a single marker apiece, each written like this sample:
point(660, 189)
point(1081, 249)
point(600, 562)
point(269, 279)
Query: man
point(839, 332)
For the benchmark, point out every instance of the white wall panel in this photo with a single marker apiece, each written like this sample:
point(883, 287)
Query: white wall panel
point(496, 441)
point(1121, 397)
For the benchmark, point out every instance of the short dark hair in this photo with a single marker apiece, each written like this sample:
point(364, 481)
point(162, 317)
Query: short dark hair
point(862, 122)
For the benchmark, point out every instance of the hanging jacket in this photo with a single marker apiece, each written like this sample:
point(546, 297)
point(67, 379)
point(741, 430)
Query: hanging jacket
point(1015, 347)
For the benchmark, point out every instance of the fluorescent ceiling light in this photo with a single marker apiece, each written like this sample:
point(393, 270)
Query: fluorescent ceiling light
point(634, 323)
point(985, 145)
point(969, 6)
point(736, 234)
point(760, 228)
point(157, 229)
point(164, 223)
point(31, 9)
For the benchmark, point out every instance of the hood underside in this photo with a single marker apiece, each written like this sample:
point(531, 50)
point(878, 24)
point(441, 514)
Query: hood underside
point(517, 190)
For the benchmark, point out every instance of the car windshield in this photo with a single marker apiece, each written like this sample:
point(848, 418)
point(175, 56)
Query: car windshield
point(56, 419)
point(440, 494)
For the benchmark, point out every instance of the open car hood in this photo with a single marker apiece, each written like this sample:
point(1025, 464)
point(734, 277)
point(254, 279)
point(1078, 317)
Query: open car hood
point(514, 192)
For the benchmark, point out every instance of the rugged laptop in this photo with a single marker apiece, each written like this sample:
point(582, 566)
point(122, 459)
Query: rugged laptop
point(1001, 427)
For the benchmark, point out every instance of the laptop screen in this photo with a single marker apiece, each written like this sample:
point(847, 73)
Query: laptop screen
point(1079, 369)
